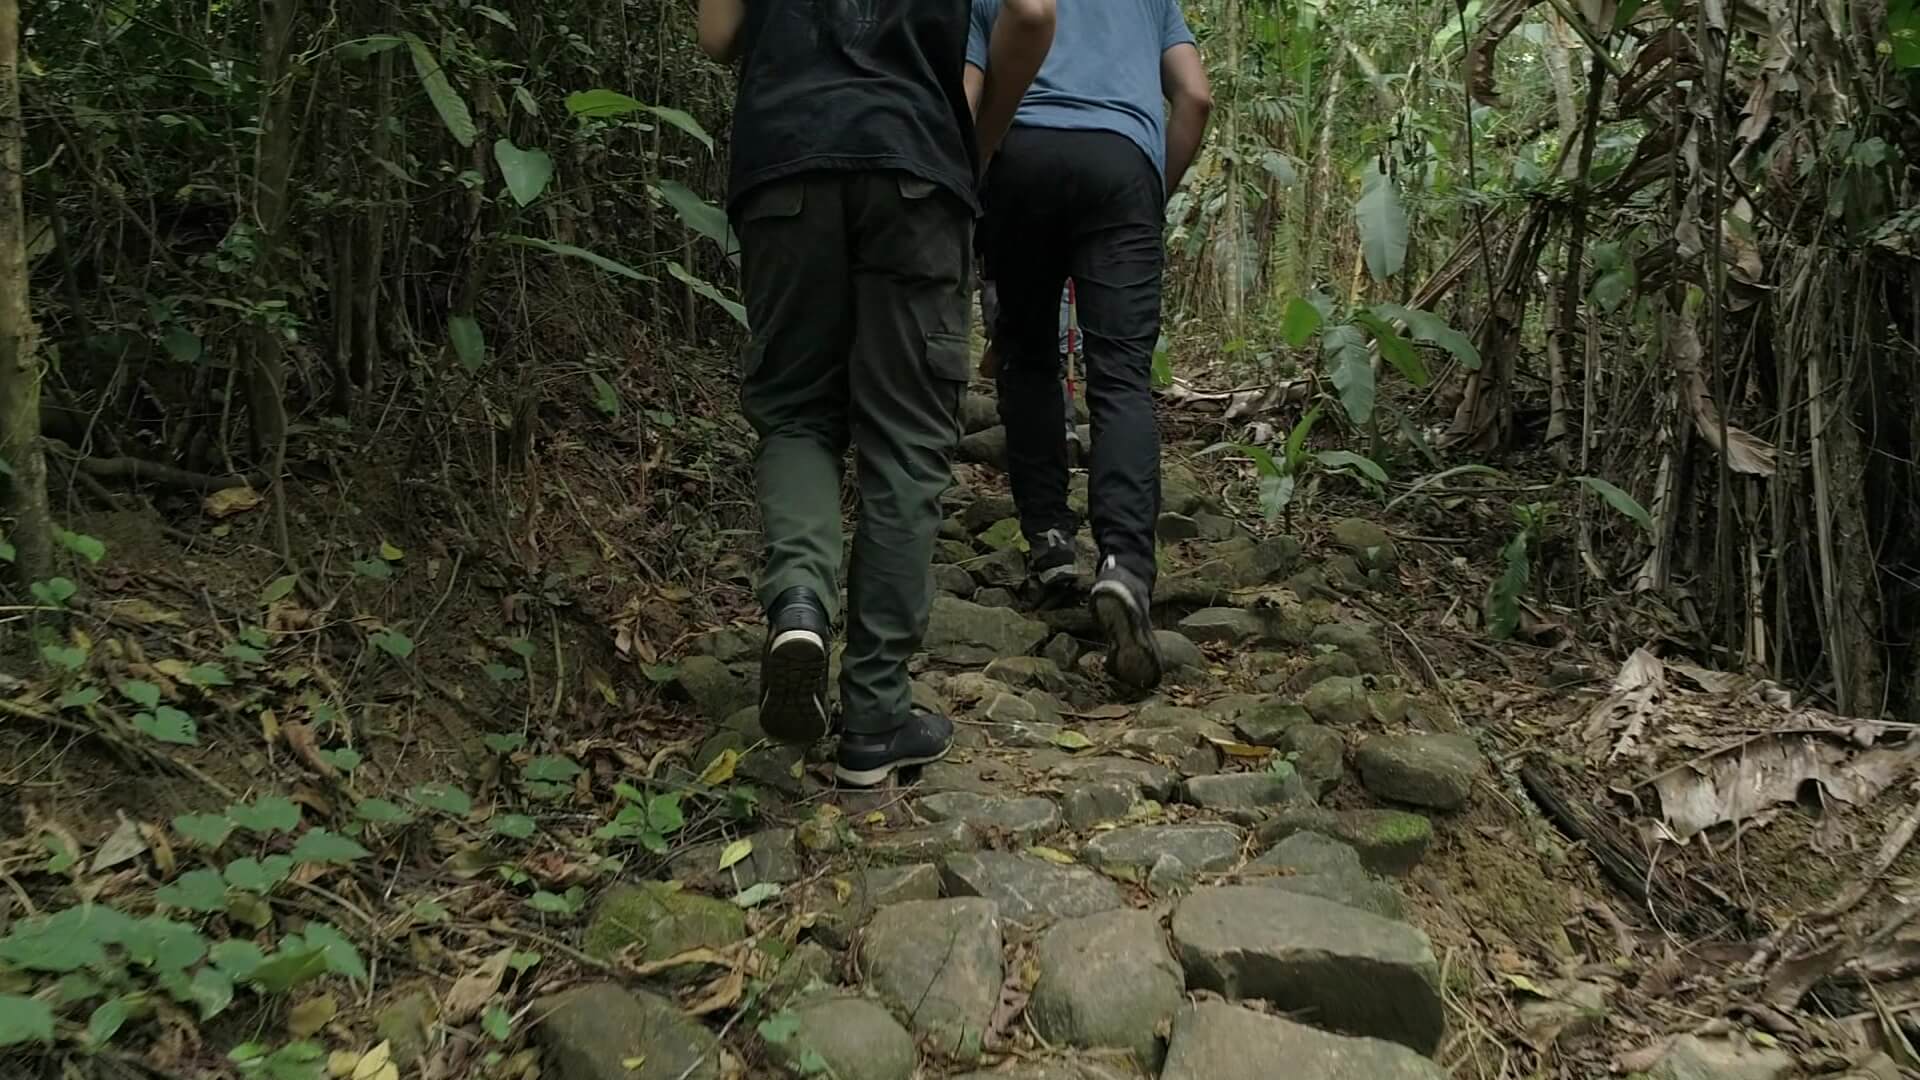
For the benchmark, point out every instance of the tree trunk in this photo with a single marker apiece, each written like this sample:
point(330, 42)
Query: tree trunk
point(31, 533)
point(266, 373)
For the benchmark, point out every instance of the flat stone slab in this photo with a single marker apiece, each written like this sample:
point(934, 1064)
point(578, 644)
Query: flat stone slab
point(867, 890)
point(938, 963)
point(857, 1039)
point(1200, 848)
point(1341, 968)
point(960, 632)
point(1218, 1041)
point(593, 1032)
point(1107, 981)
point(1030, 890)
point(1320, 753)
point(1223, 626)
point(1024, 818)
point(658, 920)
point(1436, 771)
point(921, 844)
point(1087, 805)
point(1029, 672)
point(774, 859)
point(1249, 790)
point(1390, 842)
point(1192, 721)
point(1339, 702)
point(1693, 1058)
point(1154, 781)
point(1178, 651)
point(1268, 723)
point(1315, 865)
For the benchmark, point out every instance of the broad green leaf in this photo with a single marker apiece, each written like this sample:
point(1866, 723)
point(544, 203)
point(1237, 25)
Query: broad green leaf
point(1069, 739)
point(164, 945)
point(1428, 327)
point(382, 812)
point(369, 46)
point(505, 743)
point(496, 15)
point(664, 815)
point(64, 657)
point(1612, 288)
point(527, 172)
point(211, 990)
point(24, 1020)
point(1296, 445)
point(1162, 372)
point(1351, 370)
point(201, 891)
point(1280, 167)
point(237, 957)
point(245, 654)
point(346, 759)
point(779, 1028)
point(1903, 32)
point(168, 725)
point(523, 961)
point(1383, 224)
point(208, 675)
point(392, 642)
point(514, 826)
point(601, 261)
point(266, 815)
point(82, 545)
point(699, 215)
point(1503, 596)
point(605, 397)
point(469, 343)
point(707, 289)
point(65, 941)
point(8, 552)
point(497, 1023)
point(53, 592)
point(557, 904)
point(443, 797)
point(552, 768)
point(1619, 500)
point(1300, 323)
point(259, 875)
point(377, 569)
point(684, 122)
point(80, 698)
point(503, 673)
point(207, 830)
point(286, 970)
point(1360, 463)
point(321, 846)
point(601, 104)
point(342, 957)
point(440, 90)
point(734, 852)
point(107, 1020)
point(1395, 349)
point(1005, 535)
point(755, 895)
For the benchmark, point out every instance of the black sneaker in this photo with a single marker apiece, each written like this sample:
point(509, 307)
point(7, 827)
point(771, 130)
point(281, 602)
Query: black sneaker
point(793, 669)
point(1051, 560)
point(867, 760)
point(1122, 606)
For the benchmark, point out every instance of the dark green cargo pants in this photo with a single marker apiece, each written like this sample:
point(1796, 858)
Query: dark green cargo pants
point(857, 287)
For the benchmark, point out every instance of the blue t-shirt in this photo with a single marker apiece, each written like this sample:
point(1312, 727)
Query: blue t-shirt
point(1104, 71)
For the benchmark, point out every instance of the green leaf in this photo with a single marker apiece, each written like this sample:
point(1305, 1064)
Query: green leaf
point(278, 589)
point(527, 172)
point(1360, 463)
point(378, 569)
point(699, 215)
point(82, 545)
point(53, 592)
point(555, 904)
point(707, 289)
point(346, 759)
point(444, 798)
point(245, 654)
point(1395, 349)
point(503, 673)
point(1300, 323)
point(1503, 596)
point(1383, 224)
point(207, 830)
point(505, 743)
point(80, 698)
point(1352, 370)
point(514, 826)
point(1162, 372)
point(370, 45)
point(1612, 288)
point(382, 812)
point(164, 945)
point(440, 90)
point(1428, 327)
point(392, 642)
point(237, 957)
point(266, 815)
point(321, 846)
point(497, 1023)
point(65, 657)
point(65, 941)
point(740, 849)
point(1619, 500)
point(8, 552)
point(755, 895)
point(168, 725)
point(107, 1020)
point(211, 990)
point(342, 957)
point(201, 891)
point(1903, 32)
point(601, 261)
point(469, 343)
point(605, 397)
point(660, 673)
point(601, 104)
point(684, 122)
point(779, 1028)
point(664, 815)
point(208, 675)
point(259, 875)
point(24, 1019)
point(1296, 445)
point(552, 768)
point(522, 961)
point(1005, 535)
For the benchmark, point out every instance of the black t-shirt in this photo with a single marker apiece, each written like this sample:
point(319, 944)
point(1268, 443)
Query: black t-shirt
point(853, 84)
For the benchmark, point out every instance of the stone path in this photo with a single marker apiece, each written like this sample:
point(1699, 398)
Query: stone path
point(1197, 886)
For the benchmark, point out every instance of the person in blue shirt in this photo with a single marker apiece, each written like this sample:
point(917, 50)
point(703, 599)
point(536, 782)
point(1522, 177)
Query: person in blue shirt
point(1078, 188)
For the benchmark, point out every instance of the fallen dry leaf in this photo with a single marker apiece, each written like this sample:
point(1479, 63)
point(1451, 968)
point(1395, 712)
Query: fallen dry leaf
point(125, 845)
point(722, 993)
point(308, 1017)
point(227, 502)
point(472, 991)
point(305, 746)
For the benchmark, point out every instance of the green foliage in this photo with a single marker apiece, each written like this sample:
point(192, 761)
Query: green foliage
point(469, 342)
point(207, 830)
point(321, 846)
point(1382, 222)
point(605, 397)
point(1301, 322)
point(609, 265)
point(84, 546)
point(527, 172)
point(200, 891)
point(443, 797)
point(1903, 32)
point(24, 1020)
point(1619, 500)
point(441, 91)
point(1162, 363)
point(1516, 572)
point(648, 819)
point(392, 642)
point(706, 288)
point(266, 815)
point(53, 592)
point(168, 725)
point(1351, 370)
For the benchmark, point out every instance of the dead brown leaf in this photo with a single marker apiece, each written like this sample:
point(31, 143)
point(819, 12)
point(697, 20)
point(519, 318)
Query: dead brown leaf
point(721, 994)
point(305, 746)
point(1741, 782)
point(472, 991)
point(227, 502)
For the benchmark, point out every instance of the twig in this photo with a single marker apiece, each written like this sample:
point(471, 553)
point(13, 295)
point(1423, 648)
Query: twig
point(116, 740)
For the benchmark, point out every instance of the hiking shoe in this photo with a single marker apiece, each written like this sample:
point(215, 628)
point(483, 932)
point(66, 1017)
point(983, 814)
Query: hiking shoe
point(1051, 560)
point(867, 760)
point(1122, 606)
point(793, 669)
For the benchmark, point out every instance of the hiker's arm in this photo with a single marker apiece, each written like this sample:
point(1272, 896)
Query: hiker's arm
point(1183, 79)
point(720, 27)
point(1022, 34)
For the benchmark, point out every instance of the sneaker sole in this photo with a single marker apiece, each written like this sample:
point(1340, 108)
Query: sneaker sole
point(793, 688)
point(874, 777)
point(1135, 659)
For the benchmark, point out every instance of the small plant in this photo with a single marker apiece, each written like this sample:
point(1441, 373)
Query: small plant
point(1347, 341)
point(1516, 573)
point(1280, 477)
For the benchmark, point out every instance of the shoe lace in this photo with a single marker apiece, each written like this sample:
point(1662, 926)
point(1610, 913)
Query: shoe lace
point(1057, 539)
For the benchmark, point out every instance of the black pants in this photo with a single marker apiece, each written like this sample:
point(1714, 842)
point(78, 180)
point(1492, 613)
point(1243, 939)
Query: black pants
point(1088, 205)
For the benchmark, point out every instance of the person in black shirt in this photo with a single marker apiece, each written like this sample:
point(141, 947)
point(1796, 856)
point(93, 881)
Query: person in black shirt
point(854, 161)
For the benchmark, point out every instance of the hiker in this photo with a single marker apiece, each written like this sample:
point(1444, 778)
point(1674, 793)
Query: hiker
point(990, 369)
point(855, 160)
point(1079, 189)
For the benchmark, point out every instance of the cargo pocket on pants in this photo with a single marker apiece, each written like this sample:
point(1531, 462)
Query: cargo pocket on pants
point(950, 363)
